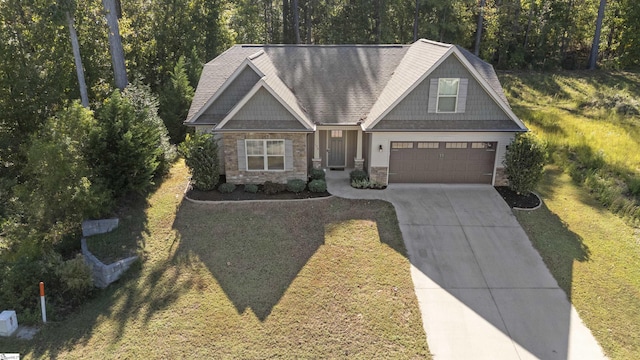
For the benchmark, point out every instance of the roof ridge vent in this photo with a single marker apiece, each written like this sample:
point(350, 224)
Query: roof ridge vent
point(253, 56)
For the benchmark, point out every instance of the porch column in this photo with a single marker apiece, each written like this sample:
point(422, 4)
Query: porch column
point(359, 161)
point(317, 161)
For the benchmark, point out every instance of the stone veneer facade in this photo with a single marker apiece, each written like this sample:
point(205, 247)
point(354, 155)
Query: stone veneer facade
point(378, 174)
point(501, 177)
point(235, 176)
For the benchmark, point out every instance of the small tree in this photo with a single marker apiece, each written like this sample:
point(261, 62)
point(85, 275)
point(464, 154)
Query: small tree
point(129, 145)
point(524, 163)
point(200, 152)
point(175, 101)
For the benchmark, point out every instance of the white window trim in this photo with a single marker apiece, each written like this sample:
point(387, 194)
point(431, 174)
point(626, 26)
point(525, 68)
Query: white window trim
point(265, 155)
point(438, 96)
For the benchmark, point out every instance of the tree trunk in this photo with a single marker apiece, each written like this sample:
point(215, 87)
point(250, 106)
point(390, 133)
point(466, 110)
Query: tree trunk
point(308, 20)
point(415, 22)
point(378, 22)
point(596, 38)
point(115, 44)
point(566, 34)
point(476, 48)
point(296, 21)
point(84, 97)
point(529, 21)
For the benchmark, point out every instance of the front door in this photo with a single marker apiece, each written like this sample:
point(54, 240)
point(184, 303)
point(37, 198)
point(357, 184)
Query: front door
point(336, 148)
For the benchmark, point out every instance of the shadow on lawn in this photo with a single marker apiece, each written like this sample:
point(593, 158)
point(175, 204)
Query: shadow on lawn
point(255, 251)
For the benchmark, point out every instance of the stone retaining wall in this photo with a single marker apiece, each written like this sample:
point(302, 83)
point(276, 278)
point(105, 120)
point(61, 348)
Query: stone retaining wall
point(103, 275)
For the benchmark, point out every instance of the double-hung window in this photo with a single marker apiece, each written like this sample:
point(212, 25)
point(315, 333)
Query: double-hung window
point(265, 154)
point(448, 95)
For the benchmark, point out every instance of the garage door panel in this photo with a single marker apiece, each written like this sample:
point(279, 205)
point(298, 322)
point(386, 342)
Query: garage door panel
point(443, 162)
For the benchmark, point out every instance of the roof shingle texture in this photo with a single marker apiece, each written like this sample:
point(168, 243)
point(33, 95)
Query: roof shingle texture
point(335, 84)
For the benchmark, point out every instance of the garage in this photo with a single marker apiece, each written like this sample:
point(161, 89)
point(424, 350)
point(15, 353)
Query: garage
point(442, 162)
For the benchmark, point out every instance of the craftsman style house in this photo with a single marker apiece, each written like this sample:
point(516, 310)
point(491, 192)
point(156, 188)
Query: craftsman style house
point(422, 113)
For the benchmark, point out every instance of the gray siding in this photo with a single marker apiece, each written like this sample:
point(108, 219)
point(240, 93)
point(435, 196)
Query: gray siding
point(479, 105)
point(263, 112)
point(232, 94)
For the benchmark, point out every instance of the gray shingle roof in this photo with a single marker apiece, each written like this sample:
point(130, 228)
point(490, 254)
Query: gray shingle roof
point(335, 84)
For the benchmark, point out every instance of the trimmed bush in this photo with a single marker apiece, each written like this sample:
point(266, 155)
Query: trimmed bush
point(360, 184)
point(317, 174)
point(318, 186)
point(226, 188)
point(296, 185)
point(524, 163)
point(200, 153)
point(358, 175)
point(251, 188)
point(271, 188)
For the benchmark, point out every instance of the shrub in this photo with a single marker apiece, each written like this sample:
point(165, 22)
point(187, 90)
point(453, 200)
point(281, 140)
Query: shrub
point(226, 188)
point(200, 153)
point(358, 175)
point(296, 185)
point(271, 188)
point(251, 188)
point(360, 184)
point(129, 145)
point(524, 163)
point(318, 186)
point(317, 174)
point(634, 186)
point(60, 188)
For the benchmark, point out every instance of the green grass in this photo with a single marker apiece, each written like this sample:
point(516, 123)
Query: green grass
point(595, 257)
point(579, 115)
point(324, 278)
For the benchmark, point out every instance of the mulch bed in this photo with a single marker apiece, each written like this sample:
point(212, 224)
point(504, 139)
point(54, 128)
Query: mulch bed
point(513, 199)
point(239, 194)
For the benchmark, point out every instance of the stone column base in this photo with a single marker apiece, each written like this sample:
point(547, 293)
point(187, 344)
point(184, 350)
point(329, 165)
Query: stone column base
point(317, 163)
point(501, 178)
point(358, 164)
point(379, 175)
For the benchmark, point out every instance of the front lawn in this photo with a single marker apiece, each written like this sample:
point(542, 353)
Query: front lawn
point(595, 257)
point(322, 278)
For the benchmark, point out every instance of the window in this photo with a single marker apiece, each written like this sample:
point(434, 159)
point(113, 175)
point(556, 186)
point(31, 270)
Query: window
point(456, 145)
point(265, 154)
point(336, 133)
point(448, 95)
point(428, 145)
point(402, 145)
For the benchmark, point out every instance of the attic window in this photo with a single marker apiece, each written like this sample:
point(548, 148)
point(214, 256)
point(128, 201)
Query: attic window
point(448, 95)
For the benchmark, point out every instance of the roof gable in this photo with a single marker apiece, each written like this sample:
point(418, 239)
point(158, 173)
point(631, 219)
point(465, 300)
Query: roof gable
point(410, 79)
point(241, 81)
point(264, 109)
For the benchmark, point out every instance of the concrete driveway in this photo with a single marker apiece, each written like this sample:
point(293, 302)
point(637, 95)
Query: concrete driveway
point(484, 291)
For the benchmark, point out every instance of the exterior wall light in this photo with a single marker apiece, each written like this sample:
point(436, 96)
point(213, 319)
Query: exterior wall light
point(380, 147)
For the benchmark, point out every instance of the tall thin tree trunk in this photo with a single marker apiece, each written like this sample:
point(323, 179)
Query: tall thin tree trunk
point(308, 20)
point(476, 48)
point(596, 38)
point(566, 35)
point(296, 21)
point(415, 22)
point(115, 44)
point(532, 8)
point(75, 45)
point(378, 22)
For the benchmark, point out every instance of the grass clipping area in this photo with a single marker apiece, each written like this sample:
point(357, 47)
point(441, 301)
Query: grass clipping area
point(322, 278)
point(595, 257)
